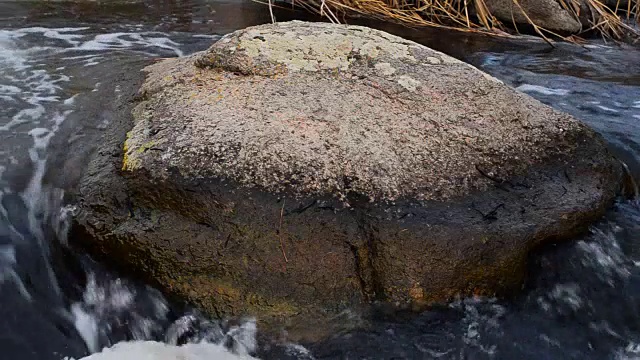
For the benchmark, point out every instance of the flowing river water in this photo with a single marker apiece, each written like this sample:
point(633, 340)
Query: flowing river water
point(582, 299)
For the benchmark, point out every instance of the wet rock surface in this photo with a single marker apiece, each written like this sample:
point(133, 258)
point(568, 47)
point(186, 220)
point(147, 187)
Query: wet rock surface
point(298, 172)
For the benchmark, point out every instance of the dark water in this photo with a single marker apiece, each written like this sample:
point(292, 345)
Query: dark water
point(582, 300)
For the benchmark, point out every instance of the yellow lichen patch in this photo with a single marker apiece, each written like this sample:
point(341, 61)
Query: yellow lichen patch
point(127, 162)
point(146, 146)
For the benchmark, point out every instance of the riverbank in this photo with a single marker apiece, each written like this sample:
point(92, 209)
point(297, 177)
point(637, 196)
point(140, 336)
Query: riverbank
point(549, 19)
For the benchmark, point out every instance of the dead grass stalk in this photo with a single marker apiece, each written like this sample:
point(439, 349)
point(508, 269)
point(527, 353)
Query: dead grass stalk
point(613, 22)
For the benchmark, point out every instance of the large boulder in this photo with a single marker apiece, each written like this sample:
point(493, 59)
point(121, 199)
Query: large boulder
point(301, 171)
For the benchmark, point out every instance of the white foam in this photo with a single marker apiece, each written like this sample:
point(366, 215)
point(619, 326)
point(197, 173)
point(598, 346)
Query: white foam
point(127, 40)
point(9, 89)
point(542, 90)
point(205, 36)
point(636, 104)
point(108, 303)
point(567, 293)
point(151, 350)
point(208, 341)
point(22, 82)
point(630, 352)
point(608, 109)
point(79, 57)
point(32, 195)
point(299, 352)
point(56, 33)
point(87, 327)
point(596, 46)
point(120, 298)
point(605, 255)
point(480, 314)
point(71, 100)
point(10, 56)
point(637, 116)
point(7, 263)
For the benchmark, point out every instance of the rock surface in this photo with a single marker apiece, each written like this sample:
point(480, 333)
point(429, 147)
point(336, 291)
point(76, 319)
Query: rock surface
point(298, 172)
point(548, 14)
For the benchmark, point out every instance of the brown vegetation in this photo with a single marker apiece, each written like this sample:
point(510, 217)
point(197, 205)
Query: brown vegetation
point(614, 19)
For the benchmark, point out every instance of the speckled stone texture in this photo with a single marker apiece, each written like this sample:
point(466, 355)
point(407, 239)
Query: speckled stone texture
point(321, 109)
point(299, 172)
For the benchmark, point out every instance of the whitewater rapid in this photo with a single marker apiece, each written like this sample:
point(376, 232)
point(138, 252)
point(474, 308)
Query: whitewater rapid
point(36, 102)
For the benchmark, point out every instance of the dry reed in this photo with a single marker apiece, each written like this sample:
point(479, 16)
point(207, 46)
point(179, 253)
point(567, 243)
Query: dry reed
point(612, 22)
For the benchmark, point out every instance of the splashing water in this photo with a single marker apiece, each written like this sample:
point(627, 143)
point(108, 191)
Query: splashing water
point(112, 312)
point(149, 350)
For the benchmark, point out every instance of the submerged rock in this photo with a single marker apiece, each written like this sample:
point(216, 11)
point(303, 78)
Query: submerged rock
point(298, 172)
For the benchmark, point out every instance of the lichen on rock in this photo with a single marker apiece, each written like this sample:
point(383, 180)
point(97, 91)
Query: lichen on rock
point(382, 126)
point(295, 51)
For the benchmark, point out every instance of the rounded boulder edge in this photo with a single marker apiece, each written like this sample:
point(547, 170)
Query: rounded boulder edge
point(358, 168)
